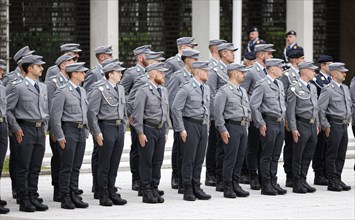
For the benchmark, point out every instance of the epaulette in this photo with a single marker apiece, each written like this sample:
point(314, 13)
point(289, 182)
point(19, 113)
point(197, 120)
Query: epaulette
point(327, 86)
point(63, 86)
point(169, 59)
point(16, 81)
point(184, 84)
point(52, 77)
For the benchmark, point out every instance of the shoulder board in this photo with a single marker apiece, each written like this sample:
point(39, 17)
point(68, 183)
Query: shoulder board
point(16, 81)
point(63, 86)
point(98, 83)
point(170, 58)
point(184, 84)
point(53, 77)
point(224, 86)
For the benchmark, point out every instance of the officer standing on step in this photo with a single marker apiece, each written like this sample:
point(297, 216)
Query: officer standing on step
point(69, 126)
point(190, 113)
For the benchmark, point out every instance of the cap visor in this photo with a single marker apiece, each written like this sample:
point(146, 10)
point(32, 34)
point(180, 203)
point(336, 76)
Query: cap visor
point(343, 70)
point(81, 69)
point(40, 63)
point(162, 69)
point(76, 50)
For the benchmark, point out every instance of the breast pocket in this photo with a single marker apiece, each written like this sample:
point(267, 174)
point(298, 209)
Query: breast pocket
point(232, 102)
point(196, 102)
point(73, 107)
point(27, 101)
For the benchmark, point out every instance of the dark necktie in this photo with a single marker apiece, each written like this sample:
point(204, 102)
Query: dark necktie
point(308, 86)
point(116, 88)
point(36, 87)
point(275, 81)
point(329, 79)
point(341, 87)
point(203, 91)
point(159, 90)
point(265, 71)
point(240, 91)
point(78, 89)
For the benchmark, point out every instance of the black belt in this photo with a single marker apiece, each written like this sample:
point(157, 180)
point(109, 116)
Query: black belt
point(112, 122)
point(74, 124)
point(309, 121)
point(338, 120)
point(196, 121)
point(232, 122)
point(153, 124)
point(2, 120)
point(36, 124)
point(273, 118)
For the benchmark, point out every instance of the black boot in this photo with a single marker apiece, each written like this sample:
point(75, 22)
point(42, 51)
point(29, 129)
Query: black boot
point(333, 184)
point(238, 190)
point(344, 187)
point(3, 202)
point(320, 179)
point(66, 202)
point(25, 203)
point(77, 201)
point(254, 181)
point(148, 196)
point(14, 190)
point(181, 188)
point(3, 210)
point(244, 179)
point(219, 185)
point(298, 186)
point(278, 188)
point(228, 190)
point(105, 198)
point(56, 195)
point(34, 200)
point(267, 188)
point(199, 193)
point(188, 192)
point(210, 179)
point(289, 180)
point(96, 192)
point(135, 185)
point(116, 197)
point(309, 188)
point(157, 194)
point(174, 181)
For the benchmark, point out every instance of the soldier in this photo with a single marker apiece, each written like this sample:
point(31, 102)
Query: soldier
point(180, 77)
point(249, 59)
point(290, 78)
point(335, 114)
point(255, 73)
point(18, 72)
point(150, 120)
point(210, 179)
point(71, 49)
point(141, 80)
point(190, 115)
point(322, 79)
point(232, 113)
point(291, 38)
point(27, 113)
point(217, 77)
point(128, 80)
point(253, 35)
point(303, 122)
point(107, 117)
point(95, 74)
point(53, 83)
point(175, 63)
point(3, 132)
point(268, 110)
point(69, 125)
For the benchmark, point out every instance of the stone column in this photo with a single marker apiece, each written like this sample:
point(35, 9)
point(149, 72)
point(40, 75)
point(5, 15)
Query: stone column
point(237, 29)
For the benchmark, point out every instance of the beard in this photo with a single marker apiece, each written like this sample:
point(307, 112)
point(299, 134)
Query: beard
point(159, 81)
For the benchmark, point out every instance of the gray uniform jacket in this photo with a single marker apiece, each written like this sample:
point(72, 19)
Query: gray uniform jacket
point(213, 63)
point(12, 76)
point(289, 78)
point(92, 76)
point(267, 99)
point(53, 83)
point(178, 78)
point(69, 107)
point(3, 102)
point(334, 102)
point(173, 64)
point(254, 75)
point(105, 103)
point(140, 81)
point(130, 76)
point(189, 103)
point(24, 102)
point(51, 71)
point(150, 106)
point(302, 103)
point(217, 77)
point(352, 94)
point(231, 104)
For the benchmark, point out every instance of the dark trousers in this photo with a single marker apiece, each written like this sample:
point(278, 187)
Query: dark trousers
point(109, 155)
point(287, 153)
point(211, 149)
point(219, 158)
point(71, 158)
point(318, 162)
point(151, 156)
point(55, 162)
point(271, 148)
point(3, 144)
point(304, 149)
point(253, 149)
point(178, 157)
point(30, 154)
point(193, 151)
point(133, 154)
point(234, 152)
point(337, 145)
point(94, 161)
point(13, 160)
